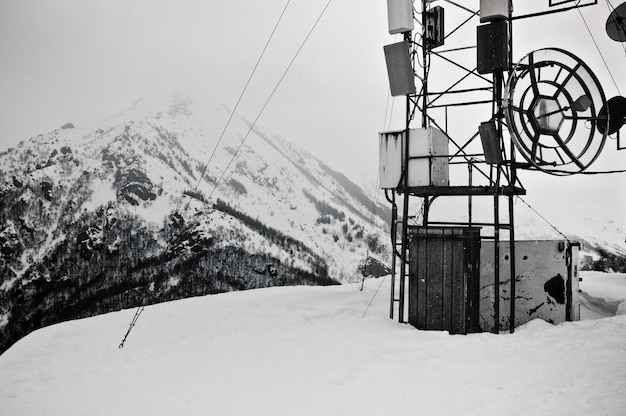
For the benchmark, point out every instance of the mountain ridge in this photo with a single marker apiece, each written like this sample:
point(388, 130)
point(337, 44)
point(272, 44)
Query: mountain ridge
point(94, 220)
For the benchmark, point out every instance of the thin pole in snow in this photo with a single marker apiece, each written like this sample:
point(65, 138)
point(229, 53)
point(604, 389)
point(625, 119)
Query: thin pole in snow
point(132, 325)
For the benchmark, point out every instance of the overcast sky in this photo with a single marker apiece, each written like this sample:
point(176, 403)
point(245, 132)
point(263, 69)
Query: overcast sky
point(82, 60)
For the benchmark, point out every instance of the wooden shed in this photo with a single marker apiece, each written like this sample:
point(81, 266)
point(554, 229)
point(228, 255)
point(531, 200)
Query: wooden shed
point(444, 278)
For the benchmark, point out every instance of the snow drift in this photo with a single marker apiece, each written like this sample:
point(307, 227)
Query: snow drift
point(312, 351)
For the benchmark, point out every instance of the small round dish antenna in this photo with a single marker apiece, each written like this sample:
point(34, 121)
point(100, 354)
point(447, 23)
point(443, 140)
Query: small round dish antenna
point(551, 103)
point(616, 24)
point(616, 110)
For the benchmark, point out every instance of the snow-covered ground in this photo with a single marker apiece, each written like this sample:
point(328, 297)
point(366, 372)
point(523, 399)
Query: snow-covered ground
point(310, 351)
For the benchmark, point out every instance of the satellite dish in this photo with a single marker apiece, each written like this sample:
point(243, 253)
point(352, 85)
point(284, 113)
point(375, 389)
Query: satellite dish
point(616, 107)
point(551, 104)
point(616, 24)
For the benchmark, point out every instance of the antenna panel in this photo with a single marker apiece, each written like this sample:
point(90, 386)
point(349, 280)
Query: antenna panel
point(399, 16)
point(399, 69)
point(492, 47)
point(491, 142)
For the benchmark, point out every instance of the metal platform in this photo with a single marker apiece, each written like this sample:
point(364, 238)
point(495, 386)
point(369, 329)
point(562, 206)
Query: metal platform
point(463, 190)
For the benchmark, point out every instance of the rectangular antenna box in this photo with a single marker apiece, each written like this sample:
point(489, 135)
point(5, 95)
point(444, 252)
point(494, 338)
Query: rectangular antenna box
point(400, 16)
point(399, 69)
point(492, 10)
point(434, 31)
point(428, 158)
point(492, 47)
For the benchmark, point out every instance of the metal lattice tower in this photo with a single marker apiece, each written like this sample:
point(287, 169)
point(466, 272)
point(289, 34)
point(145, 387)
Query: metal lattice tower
point(460, 84)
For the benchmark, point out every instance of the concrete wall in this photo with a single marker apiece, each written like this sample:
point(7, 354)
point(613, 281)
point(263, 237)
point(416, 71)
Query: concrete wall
point(546, 282)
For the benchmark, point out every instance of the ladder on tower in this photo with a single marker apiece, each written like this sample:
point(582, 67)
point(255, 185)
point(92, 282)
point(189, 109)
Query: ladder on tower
point(397, 247)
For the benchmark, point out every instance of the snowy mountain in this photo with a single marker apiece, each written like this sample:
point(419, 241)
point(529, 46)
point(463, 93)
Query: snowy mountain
point(128, 213)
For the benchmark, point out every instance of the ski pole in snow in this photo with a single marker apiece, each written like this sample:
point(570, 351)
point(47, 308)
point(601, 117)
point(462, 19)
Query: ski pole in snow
point(132, 324)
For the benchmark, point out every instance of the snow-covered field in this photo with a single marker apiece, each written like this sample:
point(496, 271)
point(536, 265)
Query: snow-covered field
point(310, 351)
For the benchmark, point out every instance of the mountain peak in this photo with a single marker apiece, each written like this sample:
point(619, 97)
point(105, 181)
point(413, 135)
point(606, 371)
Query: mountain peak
point(145, 208)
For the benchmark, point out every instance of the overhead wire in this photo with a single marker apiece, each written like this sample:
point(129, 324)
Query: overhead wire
point(611, 8)
point(386, 112)
point(601, 172)
point(269, 98)
point(376, 190)
point(371, 226)
point(543, 218)
point(374, 297)
point(583, 172)
point(385, 127)
point(599, 51)
point(387, 121)
point(141, 307)
point(393, 103)
point(132, 325)
point(245, 88)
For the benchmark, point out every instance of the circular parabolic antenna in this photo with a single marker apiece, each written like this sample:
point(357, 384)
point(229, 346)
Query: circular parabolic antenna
point(616, 24)
point(616, 109)
point(551, 104)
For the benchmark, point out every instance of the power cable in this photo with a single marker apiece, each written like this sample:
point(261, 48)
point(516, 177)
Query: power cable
point(374, 297)
point(269, 98)
point(387, 124)
point(141, 307)
point(371, 226)
point(609, 5)
point(543, 218)
point(386, 111)
point(245, 88)
point(603, 172)
point(376, 192)
point(599, 51)
point(132, 325)
point(393, 103)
